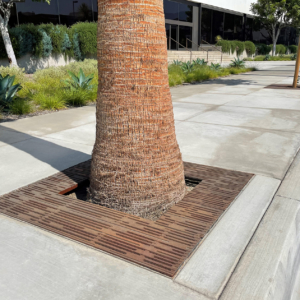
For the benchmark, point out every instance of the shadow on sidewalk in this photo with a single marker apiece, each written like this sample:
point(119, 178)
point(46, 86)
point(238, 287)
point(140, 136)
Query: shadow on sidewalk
point(58, 157)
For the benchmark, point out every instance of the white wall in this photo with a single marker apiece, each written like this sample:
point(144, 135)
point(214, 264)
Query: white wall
point(242, 6)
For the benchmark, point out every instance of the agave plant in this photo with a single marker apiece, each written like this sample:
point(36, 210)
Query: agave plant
point(177, 62)
point(79, 82)
point(8, 90)
point(200, 62)
point(267, 57)
point(237, 63)
point(215, 67)
point(294, 57)
point(187, 67)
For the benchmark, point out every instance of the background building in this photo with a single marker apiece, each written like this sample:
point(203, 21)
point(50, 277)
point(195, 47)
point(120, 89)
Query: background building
point(188, 23)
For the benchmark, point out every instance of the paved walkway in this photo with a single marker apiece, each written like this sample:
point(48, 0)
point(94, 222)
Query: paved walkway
point(234, 123)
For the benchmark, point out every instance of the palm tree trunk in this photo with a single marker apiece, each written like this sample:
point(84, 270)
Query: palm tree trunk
point(136, 165)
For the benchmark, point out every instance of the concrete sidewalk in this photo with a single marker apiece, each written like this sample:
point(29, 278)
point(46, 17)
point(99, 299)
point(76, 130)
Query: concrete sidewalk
point(234, 123)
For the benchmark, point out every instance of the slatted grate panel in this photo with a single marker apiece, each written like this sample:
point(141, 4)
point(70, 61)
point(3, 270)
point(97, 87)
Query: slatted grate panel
point(162, 246)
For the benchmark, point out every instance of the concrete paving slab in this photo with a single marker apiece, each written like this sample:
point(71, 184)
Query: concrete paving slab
point(234, 90)
point(275, 119)
point(188, 90)
point(277, 93)
point(272, 102)
point(183, 111)
point(212, 99)
point(254, 151)
point(27, 161)
point(10, 136)
point(53, 122)
point(290, 187)
point(269, 267)
point(84, 134)
point(210, 267)
point(37, 265)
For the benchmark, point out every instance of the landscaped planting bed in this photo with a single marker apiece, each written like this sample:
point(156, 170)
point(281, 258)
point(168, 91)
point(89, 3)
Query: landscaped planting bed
point(53, 88)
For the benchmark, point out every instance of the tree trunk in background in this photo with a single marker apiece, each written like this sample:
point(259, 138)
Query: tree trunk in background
point(136, 165)
point(7, 43)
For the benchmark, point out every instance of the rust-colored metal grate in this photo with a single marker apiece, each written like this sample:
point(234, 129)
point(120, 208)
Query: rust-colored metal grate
point(162, 246)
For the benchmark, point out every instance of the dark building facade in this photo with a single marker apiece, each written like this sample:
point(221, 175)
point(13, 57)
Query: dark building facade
point(188, 24)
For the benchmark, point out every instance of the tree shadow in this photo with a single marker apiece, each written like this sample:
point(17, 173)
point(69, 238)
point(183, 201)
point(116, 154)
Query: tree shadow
point(56, 156)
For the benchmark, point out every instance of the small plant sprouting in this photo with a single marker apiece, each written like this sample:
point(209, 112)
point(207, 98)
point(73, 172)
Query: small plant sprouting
point(237, 63)
point(8, 90)
point(187, 67)
point(177, 62)
point(215, 67)
point(200, 62)
point(79, 82)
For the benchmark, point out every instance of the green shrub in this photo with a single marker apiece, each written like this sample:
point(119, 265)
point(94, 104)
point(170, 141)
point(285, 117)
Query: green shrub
point(20, 107)
point(226, 46)
point(294, 56)
point(240, 47)
point(59, 37)
point(37, 41)
point(293, 49)
point(8, 90)
point(47, 44)
point(250, 48)
point(176, 75)
point(263, 49)
point(177, 62)
point(187, 67)
point(231, 46)
point(237, 63)
point(24, 41)
point(53, 101)
point(280, 49)
point(42, 40)
point(201, 73)
point(79, 97)
point(199, 62)
point(80, 82)
point(17, 72)
point(215, 67)
point(84, 39)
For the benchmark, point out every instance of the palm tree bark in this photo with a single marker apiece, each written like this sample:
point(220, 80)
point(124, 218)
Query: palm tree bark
point(137, 166)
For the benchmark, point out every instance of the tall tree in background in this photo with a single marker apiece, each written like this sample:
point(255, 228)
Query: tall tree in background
point(136, 165)
point(275, 15)
point(5, 12)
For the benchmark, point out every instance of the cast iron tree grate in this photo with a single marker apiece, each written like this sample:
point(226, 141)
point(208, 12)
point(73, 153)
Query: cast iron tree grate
point(162, 246)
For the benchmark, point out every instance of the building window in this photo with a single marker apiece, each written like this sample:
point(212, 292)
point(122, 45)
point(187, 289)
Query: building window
point(171, 10)
point(75, 11)
point(218, 24)
point(178, 11)
point(206, 25)
point(185, 36)
point(238, 28)
point(229, 27)
point(185, 13)
point(249, 29)
point(37, 12)
point(171, 31)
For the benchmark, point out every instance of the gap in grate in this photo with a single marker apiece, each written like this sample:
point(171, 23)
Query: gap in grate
point(80, 192)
